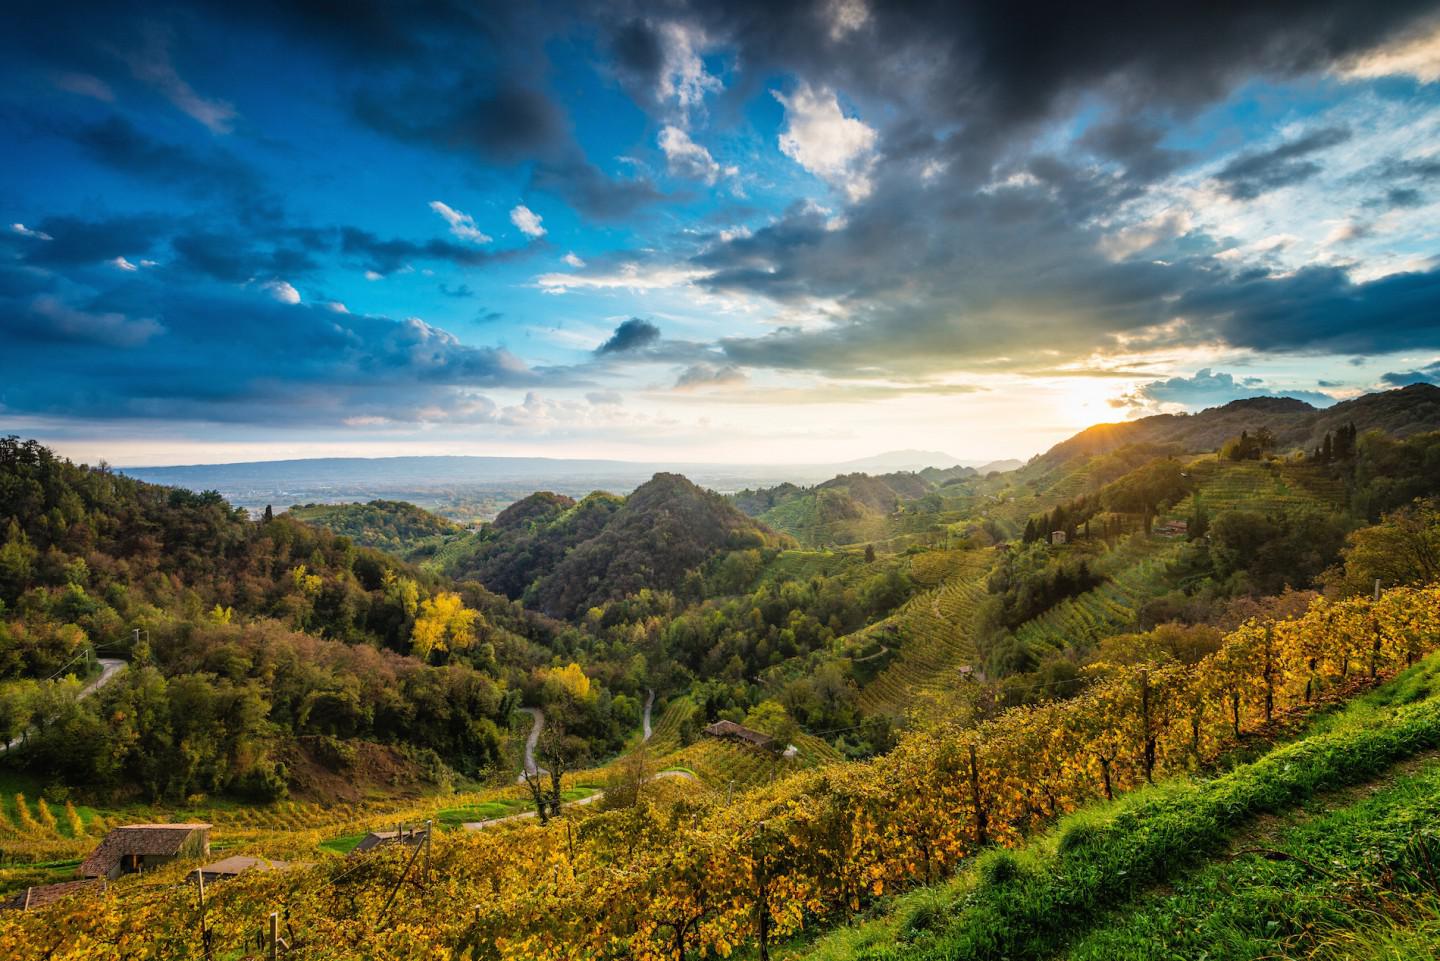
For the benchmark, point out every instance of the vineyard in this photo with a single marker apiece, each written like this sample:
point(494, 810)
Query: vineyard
point(725, 766)
point(816, 845)
point(931, 633)
point(1134, 577)
point(1267, 486)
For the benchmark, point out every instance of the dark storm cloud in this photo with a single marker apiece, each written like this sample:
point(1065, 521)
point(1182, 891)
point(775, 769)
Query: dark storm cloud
point(506, 126)
point(1403, 197)
point(1425, 375)
point(385, 256)
point(1135, 146)
point(930, 281)
point(631, 335)
point(75, 242)
point(1319, 309)
point(592, 192)
point(301, 363)
point(1252, 174)
point(119, 144)
point(994, 69)
point(232, 258)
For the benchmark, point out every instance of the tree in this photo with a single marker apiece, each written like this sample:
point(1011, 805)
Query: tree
point(1403, 549)
point(444, 624)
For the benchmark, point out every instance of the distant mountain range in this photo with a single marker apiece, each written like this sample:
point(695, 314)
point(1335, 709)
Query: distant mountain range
point(473, 488)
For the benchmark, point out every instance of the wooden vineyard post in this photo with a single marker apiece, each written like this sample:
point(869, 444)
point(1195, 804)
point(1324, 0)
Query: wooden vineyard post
point(429, 834)
point(982, 833)
point(204, 929)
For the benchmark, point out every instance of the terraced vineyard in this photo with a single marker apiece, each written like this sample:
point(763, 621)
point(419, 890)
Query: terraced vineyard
point(934, 633)
point(723, 764)
point(665, 734)
point(1134, 570)
point(1267, 486)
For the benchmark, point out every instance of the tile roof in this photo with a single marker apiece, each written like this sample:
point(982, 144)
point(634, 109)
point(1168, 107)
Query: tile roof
point(151, 839)
point(42, 894)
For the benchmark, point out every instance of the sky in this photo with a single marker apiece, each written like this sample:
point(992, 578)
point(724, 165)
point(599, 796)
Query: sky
point(745, 232)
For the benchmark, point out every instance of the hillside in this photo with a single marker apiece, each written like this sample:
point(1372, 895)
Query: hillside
point(1063, 785)
point(848, 508)
point(1318, 848)
point(565, 557)
point(1295, 424)
point(392, 526)
point(246, 640)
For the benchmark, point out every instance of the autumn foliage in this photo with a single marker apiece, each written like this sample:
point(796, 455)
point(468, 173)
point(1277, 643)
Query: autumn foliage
point(655, 881)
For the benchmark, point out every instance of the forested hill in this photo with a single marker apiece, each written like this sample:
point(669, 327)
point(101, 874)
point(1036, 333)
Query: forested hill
point(564, 557)
point(1293, 423)
point(396, 527)
point(243, 638)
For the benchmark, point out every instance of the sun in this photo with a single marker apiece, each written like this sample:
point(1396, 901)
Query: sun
point(1082, 401)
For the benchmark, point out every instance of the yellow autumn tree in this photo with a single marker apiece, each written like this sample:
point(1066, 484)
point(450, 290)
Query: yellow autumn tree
point(569, 679)
point(443, 624)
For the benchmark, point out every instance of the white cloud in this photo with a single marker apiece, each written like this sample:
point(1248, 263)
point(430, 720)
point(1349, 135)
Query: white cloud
point(154, 68)
point(630, 276)
point(338, 307)
point(734, 233)
point(819, 137)
point(683, 77)
point(847, 16)
point(282, 291)
point(122, 264)
point(572, 260)
point(686, 158)
point(85, 85)
point(1166, 225)
point(932, 169)
point(25, 231)
point(462, 225)
point(527, 220)
point(1417, 56)
point(373, 276)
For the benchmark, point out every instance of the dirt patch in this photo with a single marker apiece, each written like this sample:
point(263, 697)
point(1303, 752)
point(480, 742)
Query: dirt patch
point(322, 769)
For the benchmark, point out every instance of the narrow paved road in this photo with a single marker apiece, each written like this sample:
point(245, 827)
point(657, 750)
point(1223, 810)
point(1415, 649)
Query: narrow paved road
point(649, 703)
point(537, 725)
point(109, 667)
point(482, 825)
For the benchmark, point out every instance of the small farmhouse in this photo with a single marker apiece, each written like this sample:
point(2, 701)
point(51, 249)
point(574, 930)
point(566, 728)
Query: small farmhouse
point(730, 731)
point(376, 839)
point(138, 847)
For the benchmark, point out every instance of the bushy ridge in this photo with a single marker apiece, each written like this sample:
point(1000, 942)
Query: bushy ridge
point(395, 527)
point(564, 558)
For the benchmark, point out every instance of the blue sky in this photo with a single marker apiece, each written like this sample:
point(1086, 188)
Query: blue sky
point(699, 231)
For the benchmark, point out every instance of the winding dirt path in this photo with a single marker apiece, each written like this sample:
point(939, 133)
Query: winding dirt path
point(109, 668)
point(645, 724)
point(531, 740)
